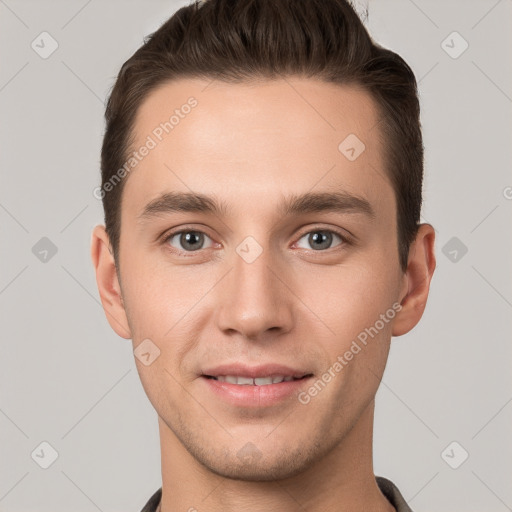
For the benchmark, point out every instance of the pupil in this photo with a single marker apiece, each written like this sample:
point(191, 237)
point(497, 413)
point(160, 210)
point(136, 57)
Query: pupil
point(321, 240)
point(189, 240)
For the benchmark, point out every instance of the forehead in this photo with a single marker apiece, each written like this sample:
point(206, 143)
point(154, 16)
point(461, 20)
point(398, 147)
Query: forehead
point(262, 139)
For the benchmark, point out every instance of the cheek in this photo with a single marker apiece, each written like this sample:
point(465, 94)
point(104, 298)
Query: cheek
point(351, 302)
point(154, 295)
point(349, 298)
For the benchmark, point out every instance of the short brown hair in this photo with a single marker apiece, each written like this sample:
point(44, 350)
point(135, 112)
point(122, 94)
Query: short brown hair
point(239, 40)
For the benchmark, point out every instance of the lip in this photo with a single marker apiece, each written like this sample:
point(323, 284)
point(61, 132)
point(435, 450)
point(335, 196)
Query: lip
point(253, 396)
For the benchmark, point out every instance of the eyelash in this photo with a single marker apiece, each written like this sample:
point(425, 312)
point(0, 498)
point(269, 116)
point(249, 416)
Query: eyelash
point(345, 240)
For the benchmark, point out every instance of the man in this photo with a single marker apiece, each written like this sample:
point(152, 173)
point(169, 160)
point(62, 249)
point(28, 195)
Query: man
point(261, 180)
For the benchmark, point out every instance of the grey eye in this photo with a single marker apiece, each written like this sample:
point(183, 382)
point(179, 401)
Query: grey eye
point(320, 239)
point(189, 240)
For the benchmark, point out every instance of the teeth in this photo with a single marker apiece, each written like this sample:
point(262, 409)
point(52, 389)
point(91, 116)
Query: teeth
point(263, 381)
point(248, 381)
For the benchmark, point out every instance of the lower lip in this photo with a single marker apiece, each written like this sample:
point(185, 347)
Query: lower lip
point(255, 396)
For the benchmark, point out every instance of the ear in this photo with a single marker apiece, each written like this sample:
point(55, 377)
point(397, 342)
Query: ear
point(108, 283)
point(416, 285)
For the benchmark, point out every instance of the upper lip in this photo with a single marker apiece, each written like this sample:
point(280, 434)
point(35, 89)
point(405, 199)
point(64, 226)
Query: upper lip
point(265, 370)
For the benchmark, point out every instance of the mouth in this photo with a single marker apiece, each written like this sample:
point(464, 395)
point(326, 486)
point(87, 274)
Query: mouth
point(254, 387)
point(242, 380)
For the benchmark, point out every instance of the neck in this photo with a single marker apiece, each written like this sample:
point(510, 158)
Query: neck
point(341, 480)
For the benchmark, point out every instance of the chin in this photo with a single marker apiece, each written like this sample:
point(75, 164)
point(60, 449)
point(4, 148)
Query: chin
point(251, 465)
point(256, 472)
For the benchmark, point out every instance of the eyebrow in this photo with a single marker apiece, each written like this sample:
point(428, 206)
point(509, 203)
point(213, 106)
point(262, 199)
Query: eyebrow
point(310, 202)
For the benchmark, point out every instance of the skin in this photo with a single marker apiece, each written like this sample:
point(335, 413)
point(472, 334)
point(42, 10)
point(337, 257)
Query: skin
point(251, 145)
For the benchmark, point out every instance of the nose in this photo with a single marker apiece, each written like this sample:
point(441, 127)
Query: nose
point(255, 299)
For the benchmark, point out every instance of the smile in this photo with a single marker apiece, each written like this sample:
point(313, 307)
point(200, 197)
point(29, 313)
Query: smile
point(257, 381)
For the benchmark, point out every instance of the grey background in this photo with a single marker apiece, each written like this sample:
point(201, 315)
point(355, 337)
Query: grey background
point(67, 379)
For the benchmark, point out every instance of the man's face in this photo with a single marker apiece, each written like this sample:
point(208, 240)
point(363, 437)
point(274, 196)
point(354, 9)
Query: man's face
point(253, 285)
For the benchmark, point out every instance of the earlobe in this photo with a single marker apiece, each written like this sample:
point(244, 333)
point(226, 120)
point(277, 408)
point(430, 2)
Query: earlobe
point(108, 283)
point(420, 269)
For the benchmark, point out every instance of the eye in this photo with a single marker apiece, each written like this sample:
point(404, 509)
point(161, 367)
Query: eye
point(321, 239)
point(190, 240)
